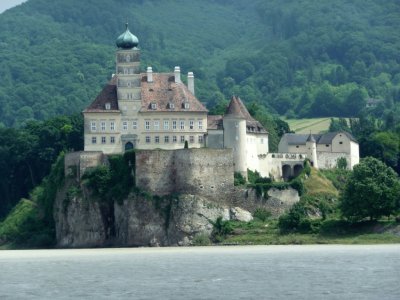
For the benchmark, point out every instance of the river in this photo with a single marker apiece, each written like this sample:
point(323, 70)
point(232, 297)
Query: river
point(248, 272)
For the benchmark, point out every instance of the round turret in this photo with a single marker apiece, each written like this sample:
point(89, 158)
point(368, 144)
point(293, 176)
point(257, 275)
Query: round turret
point(127, 40)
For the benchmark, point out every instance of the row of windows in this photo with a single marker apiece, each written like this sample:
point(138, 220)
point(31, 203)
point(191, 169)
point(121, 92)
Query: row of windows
point(174, 139)
point(167, 139)
point(103, 140)
point(148, 125)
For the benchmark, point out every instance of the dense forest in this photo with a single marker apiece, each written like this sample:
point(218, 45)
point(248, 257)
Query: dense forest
point(298, 58)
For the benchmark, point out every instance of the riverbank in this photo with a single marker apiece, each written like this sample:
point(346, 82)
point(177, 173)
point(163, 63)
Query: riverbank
point(267, 233)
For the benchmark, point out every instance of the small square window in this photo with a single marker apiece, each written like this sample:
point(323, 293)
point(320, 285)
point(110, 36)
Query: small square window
point(171, 105)
point(108, 106)
point(147, 140)
point(103, 139)
point(94, 140)
point(186, 105)
point(154, 106)
point(157, 140)
point(340, 143)
point(166, 139)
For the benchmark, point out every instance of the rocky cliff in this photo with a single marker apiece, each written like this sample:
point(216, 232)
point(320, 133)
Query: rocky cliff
point(144, 220)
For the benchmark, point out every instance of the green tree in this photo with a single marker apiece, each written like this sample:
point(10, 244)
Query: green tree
point(371, 191)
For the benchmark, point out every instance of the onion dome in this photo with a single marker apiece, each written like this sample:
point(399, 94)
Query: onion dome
point(127, 40)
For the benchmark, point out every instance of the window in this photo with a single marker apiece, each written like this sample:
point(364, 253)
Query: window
point(186, 105)
point(297, 146)
point(182, 125)
point(157, 139)
point(93, 125)
point(174, 139)
point(191, 139)
point(166, 125)
point(134, 125)
point(156, 125)
point(103, 126)
point(166, 139)
point(124, 125)
point(154, 106)
point(173, 125)
point(191, 124)
point(108, 106)
point(112, 126)
point(171, 105)
point(326, 145)
point(94, 140)
point(201, 139)
point(200, 123)
point(340, 143)
point(103, 139)
point(147, 140)
point(262, 141)
point(112, 139)
point(129, 96)
point(147, 125)
point(182, 138)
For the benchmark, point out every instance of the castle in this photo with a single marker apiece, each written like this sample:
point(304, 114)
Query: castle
point(149, 111)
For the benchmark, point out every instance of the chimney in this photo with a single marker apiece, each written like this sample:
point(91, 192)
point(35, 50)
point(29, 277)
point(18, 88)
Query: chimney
point(177, 73)
point(149, 74)
point(190, 79)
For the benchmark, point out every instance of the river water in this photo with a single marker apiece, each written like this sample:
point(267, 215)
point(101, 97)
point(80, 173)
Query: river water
point(249, 272)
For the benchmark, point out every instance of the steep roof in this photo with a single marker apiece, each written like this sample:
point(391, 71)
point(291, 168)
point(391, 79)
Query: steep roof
point(326, 138)
point(163, 92)
point(107, 95)
point(238, 109)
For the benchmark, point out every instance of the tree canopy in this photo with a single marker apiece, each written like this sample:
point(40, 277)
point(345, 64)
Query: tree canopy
point(372, 190)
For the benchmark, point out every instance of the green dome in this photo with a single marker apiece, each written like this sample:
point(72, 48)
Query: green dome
point(127, 40)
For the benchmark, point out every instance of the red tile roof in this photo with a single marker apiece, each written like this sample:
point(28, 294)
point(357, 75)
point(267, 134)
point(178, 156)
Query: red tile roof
point(163, 91)
point(107, 95)
point(214, 122)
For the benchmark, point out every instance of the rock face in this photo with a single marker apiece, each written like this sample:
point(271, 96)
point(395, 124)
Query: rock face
point(141, 220)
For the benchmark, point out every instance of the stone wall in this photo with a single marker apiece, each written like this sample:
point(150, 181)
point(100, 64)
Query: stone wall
point(76, 163)
point(206, 172)
point(328, 160)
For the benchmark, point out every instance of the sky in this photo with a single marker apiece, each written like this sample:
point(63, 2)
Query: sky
point(6, 4)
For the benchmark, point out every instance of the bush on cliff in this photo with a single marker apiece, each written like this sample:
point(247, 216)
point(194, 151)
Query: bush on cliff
point(113, 182)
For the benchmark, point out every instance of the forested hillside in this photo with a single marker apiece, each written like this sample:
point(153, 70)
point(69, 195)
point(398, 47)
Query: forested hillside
point(299, 58)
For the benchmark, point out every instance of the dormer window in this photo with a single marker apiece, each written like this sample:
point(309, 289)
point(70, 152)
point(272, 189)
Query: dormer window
point(171, 105)
point(186, 105)
point(153, 106)
point(108, 106)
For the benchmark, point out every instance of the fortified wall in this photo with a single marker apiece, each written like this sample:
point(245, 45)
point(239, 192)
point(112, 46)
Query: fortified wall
point(76, 163)
point(206, 172)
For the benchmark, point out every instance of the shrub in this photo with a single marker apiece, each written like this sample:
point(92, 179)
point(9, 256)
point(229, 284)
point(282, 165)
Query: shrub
point(239, 179)
point(201, 239)
point(262, 214)
point(221, 228)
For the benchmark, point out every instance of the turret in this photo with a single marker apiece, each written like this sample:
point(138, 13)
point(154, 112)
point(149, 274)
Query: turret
point(234, 123)
point(311, 146)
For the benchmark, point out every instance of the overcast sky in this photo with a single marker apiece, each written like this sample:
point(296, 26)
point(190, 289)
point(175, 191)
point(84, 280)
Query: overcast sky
point(6, 4)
